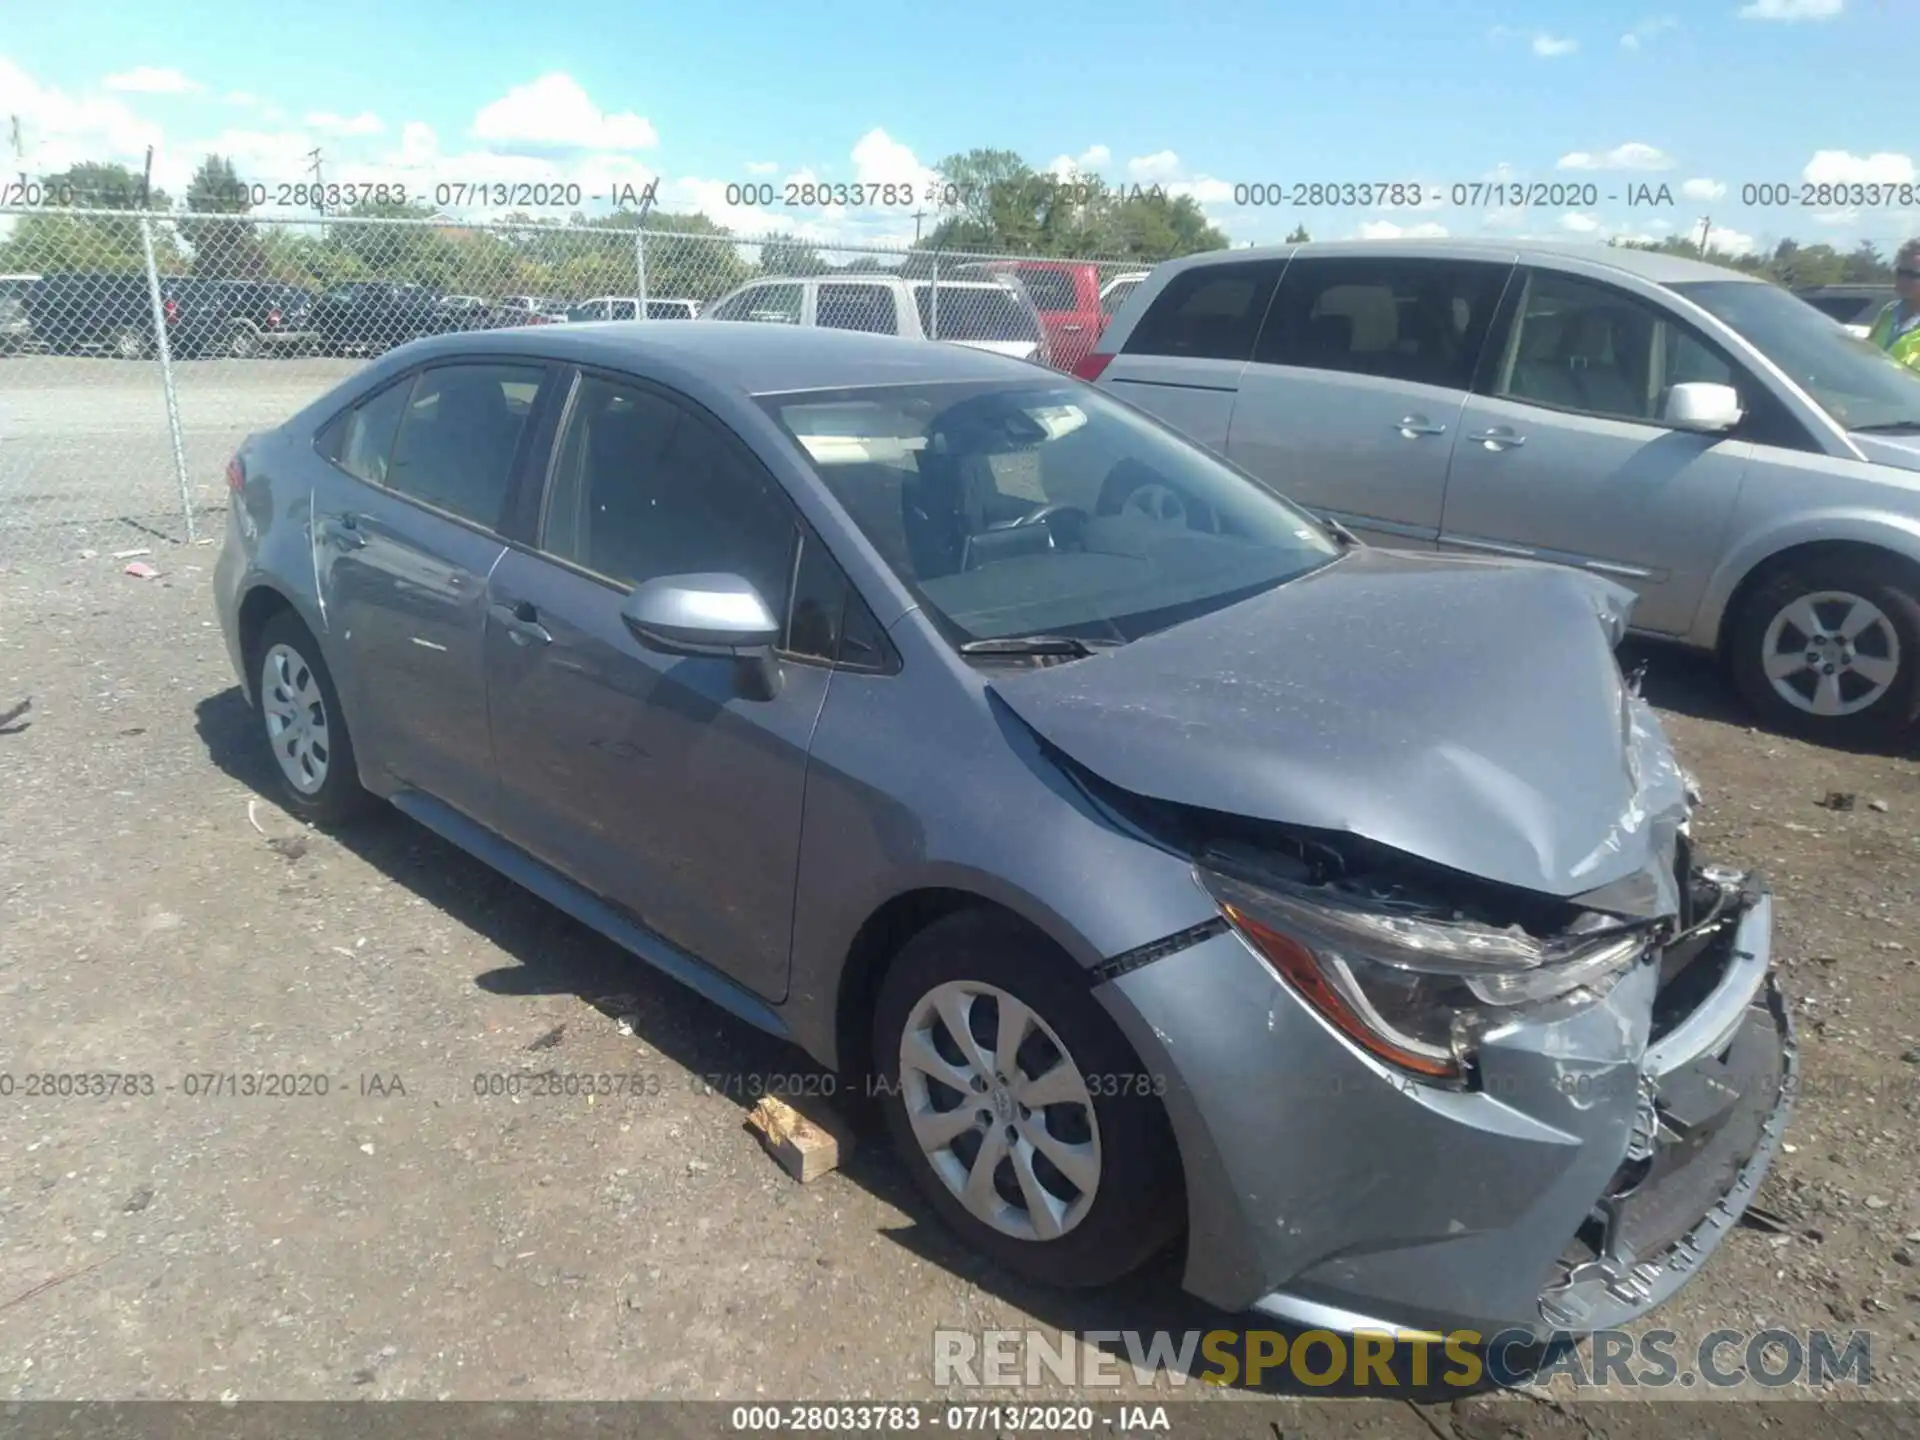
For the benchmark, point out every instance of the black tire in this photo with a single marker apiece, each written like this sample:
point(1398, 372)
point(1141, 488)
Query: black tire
point(339, 796)
point(130, 343)
point(1136, 1205)
point(1889, 584)
point(242, 343)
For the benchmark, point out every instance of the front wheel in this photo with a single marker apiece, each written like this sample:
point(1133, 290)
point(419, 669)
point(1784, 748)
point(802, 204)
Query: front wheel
point(305, 731)
point(130, 343)
point(1829, 649)
point(1021, 1111)
point(243, 343)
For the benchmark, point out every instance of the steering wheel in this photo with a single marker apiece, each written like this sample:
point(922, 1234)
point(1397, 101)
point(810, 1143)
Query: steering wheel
point(1161, 503)
point(1064, 535)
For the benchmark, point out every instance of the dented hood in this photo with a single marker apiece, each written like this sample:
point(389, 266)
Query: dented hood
point(1470, 713)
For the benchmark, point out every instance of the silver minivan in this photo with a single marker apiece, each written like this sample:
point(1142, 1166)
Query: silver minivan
point(1704, 437)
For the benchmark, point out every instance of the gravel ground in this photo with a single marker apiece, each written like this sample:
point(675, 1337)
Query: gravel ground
point(404, 1237)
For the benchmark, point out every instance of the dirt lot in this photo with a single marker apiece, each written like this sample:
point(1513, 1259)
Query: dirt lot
point(429, 1241)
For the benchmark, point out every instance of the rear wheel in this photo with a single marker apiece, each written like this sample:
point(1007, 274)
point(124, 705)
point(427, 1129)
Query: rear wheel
point(243, 343)
point(1829, 648)
point(1021, 1111)
point(130, 343)
point(305, 731)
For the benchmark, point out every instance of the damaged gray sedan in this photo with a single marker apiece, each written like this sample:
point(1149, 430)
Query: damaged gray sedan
point(1169, 866)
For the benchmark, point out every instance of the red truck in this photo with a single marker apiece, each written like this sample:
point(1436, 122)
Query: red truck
point(1067, 295)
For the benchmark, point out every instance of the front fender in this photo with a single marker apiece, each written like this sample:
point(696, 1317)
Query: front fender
point(1848, 524)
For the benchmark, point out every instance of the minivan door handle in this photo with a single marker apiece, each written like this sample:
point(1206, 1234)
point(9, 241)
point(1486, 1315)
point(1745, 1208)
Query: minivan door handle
point(1500, 437)
point(522, 623)
point(1413, 426)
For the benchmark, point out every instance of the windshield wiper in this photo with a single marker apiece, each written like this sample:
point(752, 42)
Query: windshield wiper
point(1891, 427)
point(1036, 645)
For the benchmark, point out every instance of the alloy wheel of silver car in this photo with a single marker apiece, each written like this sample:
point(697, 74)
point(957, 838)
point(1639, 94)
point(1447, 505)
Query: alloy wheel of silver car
point(1830, 653)
point(295, 713)
point(1000, 1110)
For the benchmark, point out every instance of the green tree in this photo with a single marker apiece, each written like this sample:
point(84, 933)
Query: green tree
point(226, 249)
point(694, 259)
point(790, 257)
point(65, 237)
point(1299, 236)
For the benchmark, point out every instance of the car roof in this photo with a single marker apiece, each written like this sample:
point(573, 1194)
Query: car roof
point(746, 356)
point(1652, 265)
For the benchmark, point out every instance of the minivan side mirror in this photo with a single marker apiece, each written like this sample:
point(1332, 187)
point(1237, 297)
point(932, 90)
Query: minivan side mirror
point(1702, 407)
point(721, 616)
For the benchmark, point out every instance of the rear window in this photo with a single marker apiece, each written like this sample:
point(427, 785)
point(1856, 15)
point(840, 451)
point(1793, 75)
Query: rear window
point(1211, 312)
point(975, 312)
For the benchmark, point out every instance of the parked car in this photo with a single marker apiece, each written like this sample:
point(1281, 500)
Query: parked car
point(1114, 293)
point(982, 314)
point(541, 305)
point(84, 311)
point(1152, 873)
point(16, 332)
point(1067, 295)
point(1701, 435)
point(372, 316)
point(1854, 306)
point(266, 317)
point(627, 307)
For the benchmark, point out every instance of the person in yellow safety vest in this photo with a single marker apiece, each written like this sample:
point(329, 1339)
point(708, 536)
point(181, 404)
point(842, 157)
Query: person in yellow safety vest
point(1896, 329)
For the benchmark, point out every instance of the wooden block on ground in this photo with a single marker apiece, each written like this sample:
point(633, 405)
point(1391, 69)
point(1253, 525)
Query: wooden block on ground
point(806, 1149)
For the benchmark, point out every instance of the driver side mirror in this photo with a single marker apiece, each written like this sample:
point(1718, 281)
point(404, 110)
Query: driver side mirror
point(719, 616)
point(1702, 407)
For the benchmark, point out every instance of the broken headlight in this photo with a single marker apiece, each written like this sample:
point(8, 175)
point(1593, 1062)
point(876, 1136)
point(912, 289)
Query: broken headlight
point(1409, 984)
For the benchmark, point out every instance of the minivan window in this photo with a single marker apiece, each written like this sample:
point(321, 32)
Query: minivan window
point(1861, 387)
point(975, 312)
point(1020, 508)
point(1211, 312)
point(1400, 319)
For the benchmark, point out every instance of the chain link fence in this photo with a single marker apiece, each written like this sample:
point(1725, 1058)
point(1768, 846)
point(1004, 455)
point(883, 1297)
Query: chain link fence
point(137, 350)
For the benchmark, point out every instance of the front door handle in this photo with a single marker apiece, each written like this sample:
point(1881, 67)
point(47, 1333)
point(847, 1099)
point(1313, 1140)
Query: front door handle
point(1073, 329)
point(1411, 426)
point(522, 623)
point(343, 531)
point(1500, 437)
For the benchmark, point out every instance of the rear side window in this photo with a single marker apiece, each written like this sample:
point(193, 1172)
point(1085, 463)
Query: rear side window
point(361, 440)
point(1211, 312)
point(1400, 319)
point(458, 434)
point(975, 312)
point(857, 307)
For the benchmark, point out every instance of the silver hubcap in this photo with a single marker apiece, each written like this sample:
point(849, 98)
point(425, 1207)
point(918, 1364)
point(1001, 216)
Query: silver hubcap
point(296, 717)
point(1001, 1111)
point(1830, 653)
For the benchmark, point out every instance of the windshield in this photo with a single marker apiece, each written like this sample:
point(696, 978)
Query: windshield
point(1014, 509)
point(976, 312)
point(1859, 386)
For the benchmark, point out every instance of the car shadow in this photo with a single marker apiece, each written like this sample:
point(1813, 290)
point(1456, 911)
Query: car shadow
point(555, 955)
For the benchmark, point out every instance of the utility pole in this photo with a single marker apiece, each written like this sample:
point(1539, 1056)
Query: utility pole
point(19, 149)
point(146, 181)
point(1706, 230)
point(918, 216)
point(318, 203)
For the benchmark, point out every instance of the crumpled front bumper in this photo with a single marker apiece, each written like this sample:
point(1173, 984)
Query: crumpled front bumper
point(1599, 1160)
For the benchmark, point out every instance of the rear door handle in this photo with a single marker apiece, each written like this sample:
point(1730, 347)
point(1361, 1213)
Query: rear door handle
point(522, 623)
point(1499, 438)
point(1411, 426)
point(1073, 329)
point(342, 530)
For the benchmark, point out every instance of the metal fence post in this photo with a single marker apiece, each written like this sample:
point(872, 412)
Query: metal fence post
point(933, 302)
point(166, 374)
point(640, 271)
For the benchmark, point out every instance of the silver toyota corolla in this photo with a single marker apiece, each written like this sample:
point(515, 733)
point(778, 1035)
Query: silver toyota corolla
point(1167, 863)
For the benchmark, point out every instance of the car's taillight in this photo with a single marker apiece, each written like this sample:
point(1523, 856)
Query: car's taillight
point(1091, 365)
point(236, 474)
point(172, 311)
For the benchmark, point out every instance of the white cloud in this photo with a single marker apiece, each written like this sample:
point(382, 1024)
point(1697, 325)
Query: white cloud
point(245, 98)
point(1730, 242)
point(1090, 161)
point(1836, 217)
point(58, 130)
point(1791, 9)
point(1551, 46)
point(762, 167)
point(1702, 189)
point(1580, 224)
point(1162, 165)
point(365, 123)
point(152, 80)
point(1647, 30)
point(553, 114)
point(1631, 156)
point(1388, 230)
point(1839, 167)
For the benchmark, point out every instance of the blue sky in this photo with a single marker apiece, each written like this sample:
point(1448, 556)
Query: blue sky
point(1704, 97)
